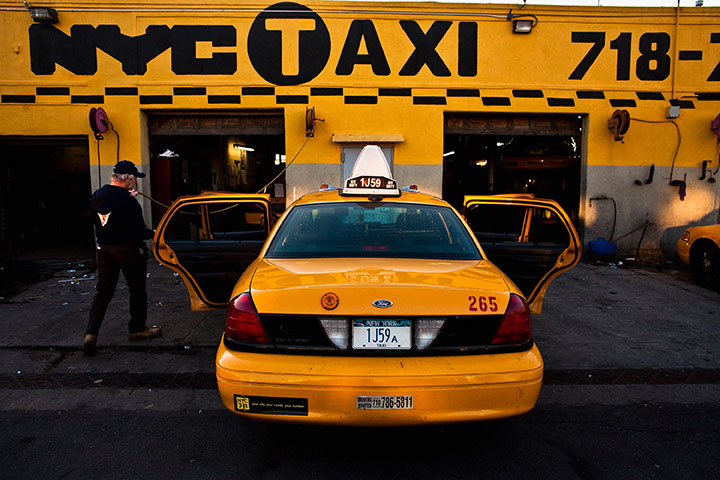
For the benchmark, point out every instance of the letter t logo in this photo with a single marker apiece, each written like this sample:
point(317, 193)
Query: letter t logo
point(290, 29)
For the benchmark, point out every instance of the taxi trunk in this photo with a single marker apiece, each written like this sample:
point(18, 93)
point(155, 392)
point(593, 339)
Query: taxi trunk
point(296, 286)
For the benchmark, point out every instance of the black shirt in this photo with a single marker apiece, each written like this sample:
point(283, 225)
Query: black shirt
point(118, 217)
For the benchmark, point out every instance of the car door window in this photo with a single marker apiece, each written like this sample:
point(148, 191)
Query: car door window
point(524, 241)
point(215, 242)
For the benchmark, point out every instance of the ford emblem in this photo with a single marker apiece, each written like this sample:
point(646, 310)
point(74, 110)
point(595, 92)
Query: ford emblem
point(382, 303)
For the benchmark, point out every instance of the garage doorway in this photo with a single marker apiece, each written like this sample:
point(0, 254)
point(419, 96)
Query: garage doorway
point(45, 222)
point(44, 197)
point(192, 152)
point(486, 154)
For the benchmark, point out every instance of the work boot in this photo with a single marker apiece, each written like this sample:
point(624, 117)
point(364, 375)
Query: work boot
point(89, 344)
point(147, 334)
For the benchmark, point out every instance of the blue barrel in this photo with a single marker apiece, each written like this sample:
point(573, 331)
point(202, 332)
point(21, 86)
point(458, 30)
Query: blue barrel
point(602, 247)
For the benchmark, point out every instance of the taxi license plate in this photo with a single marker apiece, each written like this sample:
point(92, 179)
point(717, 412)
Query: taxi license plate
point(397, 402)
point(381, 335)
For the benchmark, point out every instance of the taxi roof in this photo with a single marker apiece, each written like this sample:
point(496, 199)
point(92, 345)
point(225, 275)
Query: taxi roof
point(336, 196)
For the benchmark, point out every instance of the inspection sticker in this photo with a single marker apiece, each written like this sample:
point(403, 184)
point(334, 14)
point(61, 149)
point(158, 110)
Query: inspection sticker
point(271, 405)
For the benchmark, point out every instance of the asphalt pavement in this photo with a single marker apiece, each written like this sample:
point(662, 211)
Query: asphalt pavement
point(614, 334)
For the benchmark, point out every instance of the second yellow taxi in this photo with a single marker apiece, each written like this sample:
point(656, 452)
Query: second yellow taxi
point(700, 248)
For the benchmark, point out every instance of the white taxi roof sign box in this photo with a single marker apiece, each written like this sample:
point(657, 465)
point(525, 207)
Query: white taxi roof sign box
point(371, 175)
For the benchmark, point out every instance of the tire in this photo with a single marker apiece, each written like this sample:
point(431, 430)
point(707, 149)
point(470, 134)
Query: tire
point(705, 265)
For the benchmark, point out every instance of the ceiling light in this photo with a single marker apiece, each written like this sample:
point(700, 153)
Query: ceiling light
point(168, 154)
point(447, 154)
point(237, 146)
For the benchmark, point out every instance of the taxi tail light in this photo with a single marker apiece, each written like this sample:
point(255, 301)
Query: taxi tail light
point(426, 330)
point(243, 323)
point(516, 325)
point(337, 331)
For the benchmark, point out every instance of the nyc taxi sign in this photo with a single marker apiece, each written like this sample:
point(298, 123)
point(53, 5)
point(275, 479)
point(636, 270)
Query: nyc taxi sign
point(371, 175)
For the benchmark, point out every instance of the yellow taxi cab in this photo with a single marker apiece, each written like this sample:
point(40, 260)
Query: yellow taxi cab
point(372, 305)
point(700, 248)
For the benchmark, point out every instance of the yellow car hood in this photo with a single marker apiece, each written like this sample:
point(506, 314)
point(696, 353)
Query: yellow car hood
point(424, 287)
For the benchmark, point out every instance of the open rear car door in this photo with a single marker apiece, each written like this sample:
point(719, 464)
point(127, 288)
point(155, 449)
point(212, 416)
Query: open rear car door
point(210, 240)
point(531, 240)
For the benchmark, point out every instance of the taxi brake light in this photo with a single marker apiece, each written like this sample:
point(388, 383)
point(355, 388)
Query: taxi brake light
point(516, 325)
point(243, 323)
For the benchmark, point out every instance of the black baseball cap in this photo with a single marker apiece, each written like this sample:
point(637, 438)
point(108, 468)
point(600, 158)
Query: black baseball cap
point(126, 167)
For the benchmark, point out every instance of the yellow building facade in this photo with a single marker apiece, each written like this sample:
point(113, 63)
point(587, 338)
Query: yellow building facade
point(610, 111)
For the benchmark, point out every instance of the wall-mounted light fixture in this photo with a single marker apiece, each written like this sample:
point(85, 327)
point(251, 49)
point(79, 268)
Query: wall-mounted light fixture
point(523, 23)
point(42, 14)
point(523, 26)
point(237, 146)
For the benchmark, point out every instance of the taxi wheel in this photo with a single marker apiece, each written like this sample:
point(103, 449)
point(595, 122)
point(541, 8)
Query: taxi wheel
point(705, 264)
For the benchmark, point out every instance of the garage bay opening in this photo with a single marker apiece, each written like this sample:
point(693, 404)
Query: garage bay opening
point(44, 209)
point(490, 154)
point(192, 152)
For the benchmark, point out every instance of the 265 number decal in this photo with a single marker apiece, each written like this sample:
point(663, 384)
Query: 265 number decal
point(482, 304)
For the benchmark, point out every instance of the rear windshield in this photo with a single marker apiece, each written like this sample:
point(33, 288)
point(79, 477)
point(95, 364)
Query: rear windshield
point(365, 229)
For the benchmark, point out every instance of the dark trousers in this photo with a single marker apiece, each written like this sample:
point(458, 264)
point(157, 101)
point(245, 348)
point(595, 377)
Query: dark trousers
point(112, 259)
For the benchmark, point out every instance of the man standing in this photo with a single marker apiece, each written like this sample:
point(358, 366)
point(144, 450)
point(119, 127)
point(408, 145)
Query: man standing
point(121, 233)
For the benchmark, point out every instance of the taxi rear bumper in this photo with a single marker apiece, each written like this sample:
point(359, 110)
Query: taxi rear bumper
point(325, 389)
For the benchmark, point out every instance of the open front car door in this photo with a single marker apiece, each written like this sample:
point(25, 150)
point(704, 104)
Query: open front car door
point(210, 240)
point(531, 240)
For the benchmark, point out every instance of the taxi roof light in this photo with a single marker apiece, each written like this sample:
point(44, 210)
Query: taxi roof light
point(516, 325)
point(242, 323)
point(371, 175)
